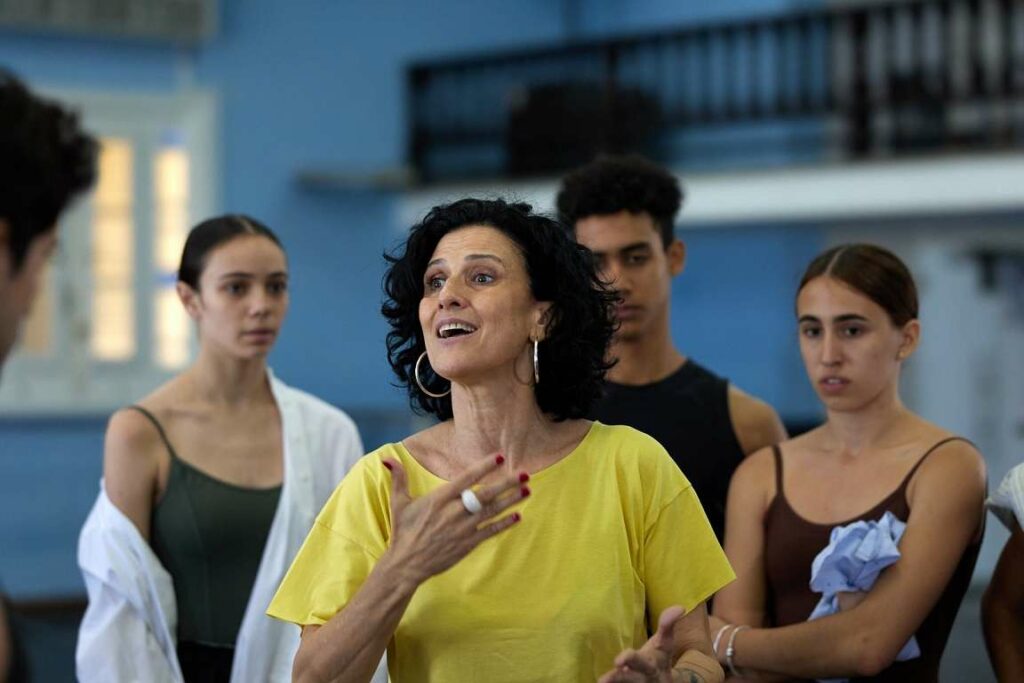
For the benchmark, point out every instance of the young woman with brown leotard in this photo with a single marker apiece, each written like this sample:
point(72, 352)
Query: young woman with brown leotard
point(857, 317)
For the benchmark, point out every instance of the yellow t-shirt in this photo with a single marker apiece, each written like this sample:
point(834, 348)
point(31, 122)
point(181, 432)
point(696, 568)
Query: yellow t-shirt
point(611, 535)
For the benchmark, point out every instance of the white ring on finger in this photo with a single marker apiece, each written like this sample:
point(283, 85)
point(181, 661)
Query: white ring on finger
point(471, 502)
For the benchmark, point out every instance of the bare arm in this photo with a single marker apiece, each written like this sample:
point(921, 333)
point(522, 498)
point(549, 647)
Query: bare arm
point(367, 624)
point(1002, 611)
point(750, 492)
point(697, 664)
point(130, 466)
point(431, 534)
point(755, 423)
point(946, 500)
point(744, 601)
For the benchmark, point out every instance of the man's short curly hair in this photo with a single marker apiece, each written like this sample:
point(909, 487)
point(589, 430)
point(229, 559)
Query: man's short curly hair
point(45, 160)
point(580, 324)
point(621, 183)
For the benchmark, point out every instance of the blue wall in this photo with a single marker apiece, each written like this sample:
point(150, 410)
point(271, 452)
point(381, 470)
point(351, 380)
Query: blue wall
point(321, 84)
point(733, 310)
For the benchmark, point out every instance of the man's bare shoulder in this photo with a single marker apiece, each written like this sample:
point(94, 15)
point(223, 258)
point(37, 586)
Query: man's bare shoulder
point(754, 421)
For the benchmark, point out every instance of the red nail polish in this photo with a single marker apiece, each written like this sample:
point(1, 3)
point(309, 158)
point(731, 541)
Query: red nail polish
point(387, 464)
point(523, 477)
point(525, 491)
point(500, 459)
point(516, 517)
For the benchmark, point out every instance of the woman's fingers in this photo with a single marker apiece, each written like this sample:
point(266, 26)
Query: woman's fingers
point(485, 531)
point(637, 661)
point(494, 500)
point(623, 675)
point(664, 637)
point(498, 505)
point(399, 485)
point(511, 486)
point(638, 666)
point(453, 489)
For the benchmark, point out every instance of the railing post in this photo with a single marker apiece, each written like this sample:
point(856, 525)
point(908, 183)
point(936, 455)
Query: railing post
point(611, 95)
point(417, 144)
point(858, 115)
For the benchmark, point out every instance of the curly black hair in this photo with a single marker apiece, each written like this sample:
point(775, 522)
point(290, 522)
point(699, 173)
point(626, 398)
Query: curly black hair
point(580, 324)
point(47, 160)
point(621, 183)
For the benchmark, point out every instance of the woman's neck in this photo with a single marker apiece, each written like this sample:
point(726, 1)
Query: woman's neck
point(229, 382)
point(875, 425)
point(490, 418)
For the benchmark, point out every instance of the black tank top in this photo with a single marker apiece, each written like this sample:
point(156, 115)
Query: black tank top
point(791, 543)
point(688, 414)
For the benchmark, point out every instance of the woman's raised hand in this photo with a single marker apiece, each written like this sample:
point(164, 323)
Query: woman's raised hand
point(653, 662)
point(433, 532)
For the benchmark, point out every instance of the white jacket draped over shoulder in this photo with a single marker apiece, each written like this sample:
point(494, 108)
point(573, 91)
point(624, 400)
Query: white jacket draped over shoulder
point(128, 632)
point(1007, 503)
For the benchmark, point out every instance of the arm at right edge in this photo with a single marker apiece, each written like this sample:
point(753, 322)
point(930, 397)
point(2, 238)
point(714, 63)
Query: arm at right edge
point(1002, 611)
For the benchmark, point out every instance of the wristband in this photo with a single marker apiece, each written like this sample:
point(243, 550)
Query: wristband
point(718, 638)
point(730, 651)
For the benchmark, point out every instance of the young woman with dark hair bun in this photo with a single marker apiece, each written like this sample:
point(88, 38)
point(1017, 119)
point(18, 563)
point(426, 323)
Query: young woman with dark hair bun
point(210, 484)
point(873, 467)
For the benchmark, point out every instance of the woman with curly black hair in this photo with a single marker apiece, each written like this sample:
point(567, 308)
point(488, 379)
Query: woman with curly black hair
point(436, 549)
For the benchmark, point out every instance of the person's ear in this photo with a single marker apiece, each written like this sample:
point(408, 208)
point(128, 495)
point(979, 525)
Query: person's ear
point(189, 299)
point(911, 336)
point(676, 253)
point(542, 316)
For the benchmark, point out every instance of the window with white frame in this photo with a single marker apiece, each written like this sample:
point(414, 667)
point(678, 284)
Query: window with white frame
point(107, 326)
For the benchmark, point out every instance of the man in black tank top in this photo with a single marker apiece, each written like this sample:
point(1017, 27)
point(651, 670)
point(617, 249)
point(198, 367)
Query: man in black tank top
point(624, 210)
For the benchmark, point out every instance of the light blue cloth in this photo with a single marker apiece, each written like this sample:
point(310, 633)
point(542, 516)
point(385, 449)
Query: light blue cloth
point(854, 557)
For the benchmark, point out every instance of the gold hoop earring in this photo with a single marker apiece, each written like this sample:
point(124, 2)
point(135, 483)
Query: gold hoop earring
point(416, 376)
point(536, 363)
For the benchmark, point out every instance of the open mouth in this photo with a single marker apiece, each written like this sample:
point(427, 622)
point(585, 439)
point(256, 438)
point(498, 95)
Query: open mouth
point(450, 330)
point(833, 384)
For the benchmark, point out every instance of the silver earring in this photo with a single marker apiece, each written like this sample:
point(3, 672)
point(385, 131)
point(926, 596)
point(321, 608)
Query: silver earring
point(536, 363)
point(416, 376)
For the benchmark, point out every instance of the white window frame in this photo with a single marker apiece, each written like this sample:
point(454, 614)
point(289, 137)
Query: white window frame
point(68, 381)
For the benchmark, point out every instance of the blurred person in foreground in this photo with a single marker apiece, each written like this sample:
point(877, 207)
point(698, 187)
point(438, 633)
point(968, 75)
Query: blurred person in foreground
point(45, 161)
point(515, 540)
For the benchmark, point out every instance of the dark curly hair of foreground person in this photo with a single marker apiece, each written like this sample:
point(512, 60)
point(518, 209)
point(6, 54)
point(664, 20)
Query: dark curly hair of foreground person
point(571, 357)
point(46, 160)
